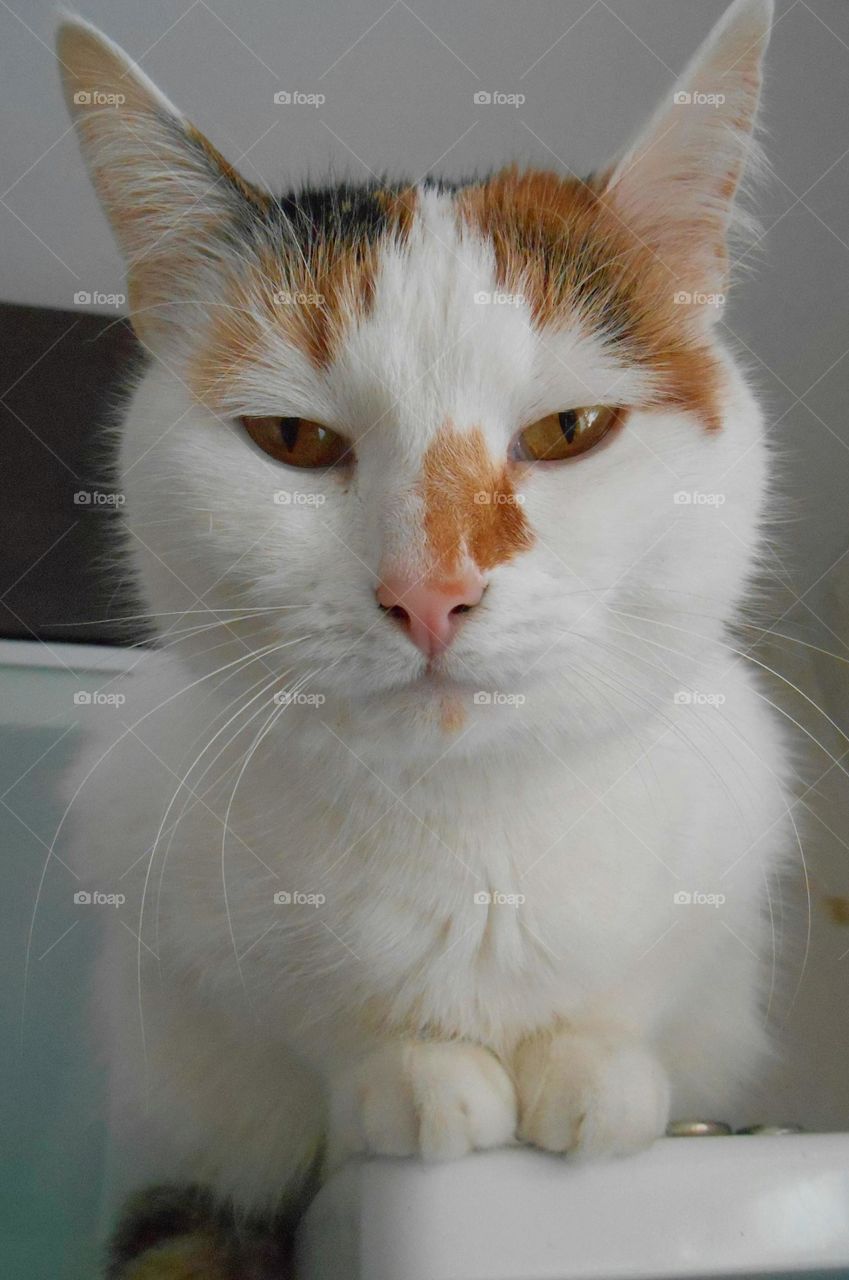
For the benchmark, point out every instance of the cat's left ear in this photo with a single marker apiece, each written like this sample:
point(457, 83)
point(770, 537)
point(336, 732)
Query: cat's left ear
point(675, 188)
point(172, 200)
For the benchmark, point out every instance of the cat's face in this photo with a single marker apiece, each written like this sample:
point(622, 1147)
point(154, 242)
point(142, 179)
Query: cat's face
point(437, 442)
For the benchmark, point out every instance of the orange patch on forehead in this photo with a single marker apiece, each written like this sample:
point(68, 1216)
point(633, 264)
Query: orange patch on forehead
point(535, 222)
point(312, 277)
point(400, 209)
point(562, 245)
point(470, 506)
point(309, 304)
point(334, 287)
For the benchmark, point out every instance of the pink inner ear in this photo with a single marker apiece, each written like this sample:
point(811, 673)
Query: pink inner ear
point(675, 187)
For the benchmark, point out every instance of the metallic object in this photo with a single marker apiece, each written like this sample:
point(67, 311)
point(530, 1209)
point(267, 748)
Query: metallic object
point(771, 1130)
point(697, 1129)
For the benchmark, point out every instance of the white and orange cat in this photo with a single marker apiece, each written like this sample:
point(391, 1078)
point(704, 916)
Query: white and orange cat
point(453, 813)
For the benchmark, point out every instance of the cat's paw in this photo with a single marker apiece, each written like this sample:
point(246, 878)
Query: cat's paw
point(421, 1098)
point(589, 1095)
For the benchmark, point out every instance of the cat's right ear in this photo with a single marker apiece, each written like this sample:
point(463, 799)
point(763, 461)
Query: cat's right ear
point(169, 195)
point(675, 188)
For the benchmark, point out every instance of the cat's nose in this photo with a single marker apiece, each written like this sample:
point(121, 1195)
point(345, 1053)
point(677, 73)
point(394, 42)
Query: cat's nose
point(429, 612)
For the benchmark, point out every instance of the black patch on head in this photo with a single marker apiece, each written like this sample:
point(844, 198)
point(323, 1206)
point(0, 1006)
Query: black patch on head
point(446, 186)
point(344, 214)
point(347, 213)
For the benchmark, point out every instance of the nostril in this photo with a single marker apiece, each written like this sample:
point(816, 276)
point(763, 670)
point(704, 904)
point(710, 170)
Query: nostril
point(396, 611)
point(462, 608)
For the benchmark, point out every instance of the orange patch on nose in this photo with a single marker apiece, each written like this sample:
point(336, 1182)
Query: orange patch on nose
point(470, 505)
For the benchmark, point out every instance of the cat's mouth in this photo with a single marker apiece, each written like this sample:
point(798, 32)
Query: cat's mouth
point(441, 678)
point(435, 679)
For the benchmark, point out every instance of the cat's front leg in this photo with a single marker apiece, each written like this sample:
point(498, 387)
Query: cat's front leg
point(429, 1098)
point(592, 1092)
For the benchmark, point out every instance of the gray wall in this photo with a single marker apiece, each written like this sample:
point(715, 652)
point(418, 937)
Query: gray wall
point(399, 85)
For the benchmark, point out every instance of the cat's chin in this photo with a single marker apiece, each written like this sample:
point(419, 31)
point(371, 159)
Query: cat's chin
point(438, 698)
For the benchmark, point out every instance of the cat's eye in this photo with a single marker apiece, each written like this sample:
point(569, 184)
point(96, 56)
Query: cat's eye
point(299, 442)
point(559, 436)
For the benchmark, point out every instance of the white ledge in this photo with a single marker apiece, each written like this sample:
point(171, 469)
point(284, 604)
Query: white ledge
point(689, 1207)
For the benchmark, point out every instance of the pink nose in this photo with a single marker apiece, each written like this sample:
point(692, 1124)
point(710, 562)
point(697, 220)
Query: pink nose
point(430, 612)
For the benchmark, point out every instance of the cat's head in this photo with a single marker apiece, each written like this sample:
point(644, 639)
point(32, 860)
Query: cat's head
point(432, 448)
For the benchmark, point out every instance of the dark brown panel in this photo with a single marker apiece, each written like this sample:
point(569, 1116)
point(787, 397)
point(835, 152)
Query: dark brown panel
point(62, 378)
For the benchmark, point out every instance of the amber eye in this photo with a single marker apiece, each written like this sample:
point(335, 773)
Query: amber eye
point(298, 442)
point(559, 436)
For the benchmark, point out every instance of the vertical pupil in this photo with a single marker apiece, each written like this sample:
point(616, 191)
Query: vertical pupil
point(569, 424)
point(289, 428)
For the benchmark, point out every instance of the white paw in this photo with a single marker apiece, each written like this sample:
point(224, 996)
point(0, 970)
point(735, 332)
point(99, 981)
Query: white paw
point(420, 1098)
point(590, 1096)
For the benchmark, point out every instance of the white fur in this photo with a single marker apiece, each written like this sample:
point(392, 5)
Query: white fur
point(403, 1008)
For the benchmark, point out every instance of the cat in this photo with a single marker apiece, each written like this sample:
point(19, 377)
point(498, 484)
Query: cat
point(454, 813)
